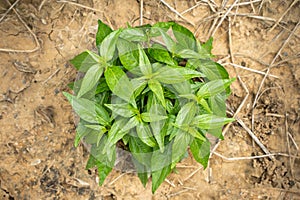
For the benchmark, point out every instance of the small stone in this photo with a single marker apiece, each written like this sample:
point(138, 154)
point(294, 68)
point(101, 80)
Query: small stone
point(35, 162)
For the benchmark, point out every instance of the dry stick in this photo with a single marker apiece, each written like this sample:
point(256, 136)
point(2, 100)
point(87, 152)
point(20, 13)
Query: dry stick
point(254, 137)
point(41, 5)
point(261, 5)
point(175, 194)
point(251, 70)
point(254, 157)
point(192, 174)
point(293, 140)
point(247, 3)
point(286, 60)
point(250, 15)
point(212, 7)
point(274, 115)
point(30, 31)
point(224, 16)
point(288, 144)
point(220, 61)
point(212, 27)
point(230, 40)
point(215, 5)
point(268, 70)
point(170, 183)
point(7, 11)
point(80, 5)
point(176, 12)
point(120, 176)
point(51, 76)
point(141, 12)
point(224, 3)
point(252, 6)
point(285, 12)
point(192, 8)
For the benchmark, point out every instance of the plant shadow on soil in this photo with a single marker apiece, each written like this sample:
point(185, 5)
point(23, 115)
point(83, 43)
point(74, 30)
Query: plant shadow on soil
point(37, 128)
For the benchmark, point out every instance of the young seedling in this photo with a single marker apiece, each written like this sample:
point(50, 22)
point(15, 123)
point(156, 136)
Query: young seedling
point(152, 89)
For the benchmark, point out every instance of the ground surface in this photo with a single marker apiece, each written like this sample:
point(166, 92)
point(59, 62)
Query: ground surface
point(38, 160)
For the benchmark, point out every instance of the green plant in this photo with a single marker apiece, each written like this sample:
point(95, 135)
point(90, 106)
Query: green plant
point(154, 89)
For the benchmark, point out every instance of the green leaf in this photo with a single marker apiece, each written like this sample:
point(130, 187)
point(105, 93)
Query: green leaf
point(144, 63)
point(201, 151)
point(159, 53)
point(179, 147)
point(115, 133)
point(103, 31)
point(211, 69)
point(186, 114)
point(85, 60)
point(208, 45)
point(184, 36)
point(189, 96)
point(218, 105)
point(143, 177)
point(141, 158)
point(108, 45)
point(159, 118)
point(214, 87)
point(81, 131)
point(203, 51)
point(209, 121)
point(144, 133)
point(152, 117)
point(102, 86)
point(124, 110)
point(90, 79)
point(134, 35)
point(157, 89)
point(189, 73)
point(169, 42)
point(161, 166)
point(192, 131)
point(191, 54)
point(100, 131)
point(118, 82)
point(205, 105)
point(128, 53)
point(133, 122)
point(91, 162)
point(164, 25)
point(169, 75)
point(139, 86)
point(141, 152)
point(104, 162)
point(103, 171)
point(85, 108)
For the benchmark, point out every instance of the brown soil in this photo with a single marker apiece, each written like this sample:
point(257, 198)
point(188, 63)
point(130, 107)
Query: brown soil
point(38, 159)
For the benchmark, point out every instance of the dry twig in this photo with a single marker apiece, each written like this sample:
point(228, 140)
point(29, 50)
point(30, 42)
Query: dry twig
point(80, 5)
point(30, 31)
point(193, 173)
point(176, 12)
point(254, 137)
point(224, 16)
point(254, 157)
point(285, 12)
point(251, 70)
point(7, 11)
point(51, 76)
point(141, 12)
